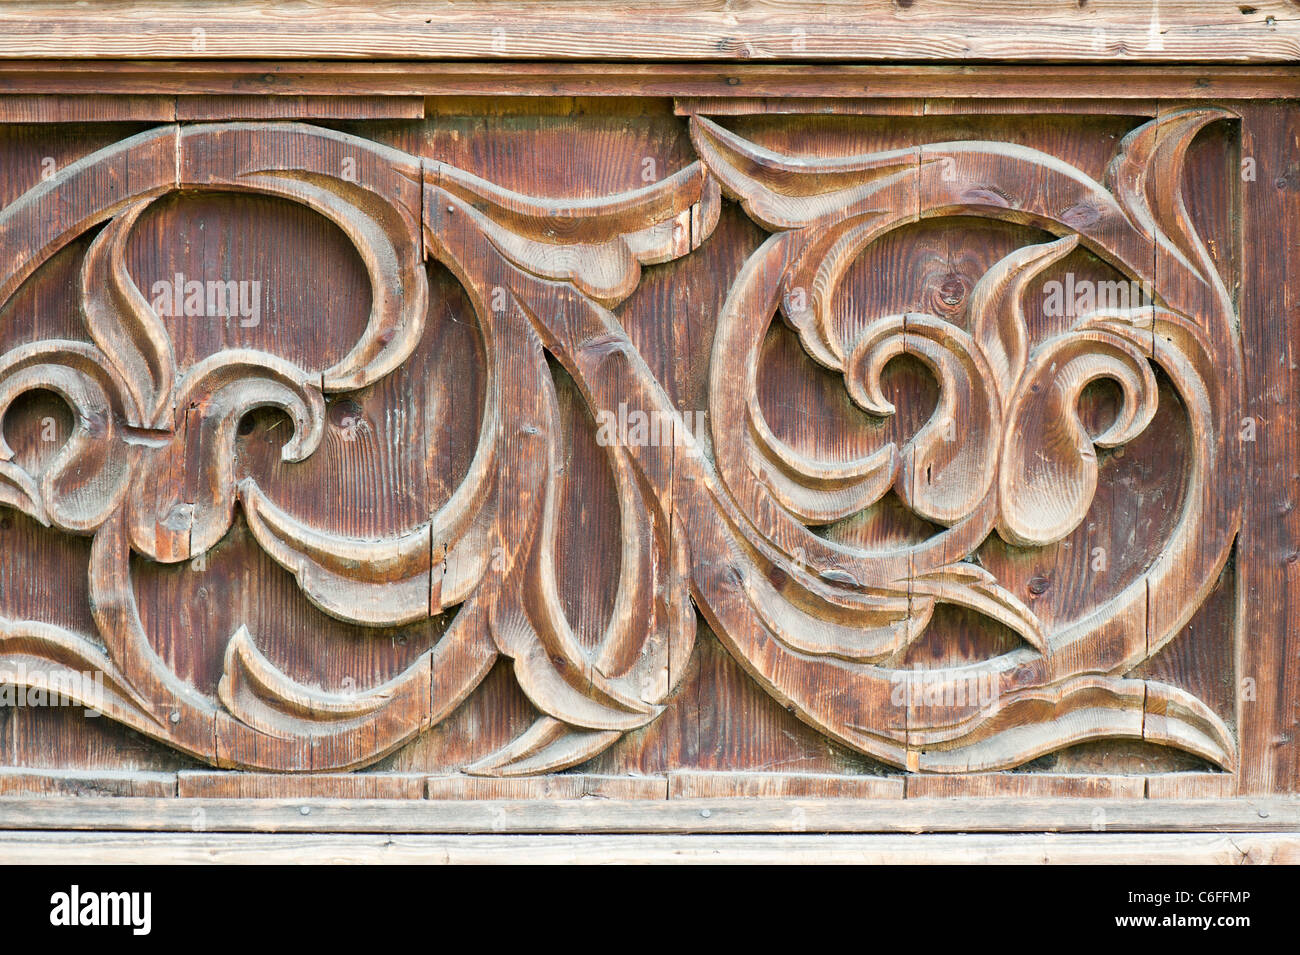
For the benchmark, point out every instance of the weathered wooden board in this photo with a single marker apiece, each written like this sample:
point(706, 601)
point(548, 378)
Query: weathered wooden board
point(1052, 30)
point(725, 440)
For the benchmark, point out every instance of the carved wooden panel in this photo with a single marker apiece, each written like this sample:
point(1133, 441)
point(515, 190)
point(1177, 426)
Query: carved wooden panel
point(696, 452)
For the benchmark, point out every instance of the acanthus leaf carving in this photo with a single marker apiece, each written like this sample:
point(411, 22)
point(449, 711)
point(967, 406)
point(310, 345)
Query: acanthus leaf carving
point(725, 525)
point(1029, 468)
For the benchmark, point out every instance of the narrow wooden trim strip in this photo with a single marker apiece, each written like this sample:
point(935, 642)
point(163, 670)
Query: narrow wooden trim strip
point(225, 108)
point(72, 108)
point(563, 786)
point(1026, 786)
point(1192, 786)
point(904, 106)
point(686, 784)
point(201, 784)
point(157, 108)
point(85, 782)
point(66, 848)
point(663, 816)
point(728, 81)
point(697, 785)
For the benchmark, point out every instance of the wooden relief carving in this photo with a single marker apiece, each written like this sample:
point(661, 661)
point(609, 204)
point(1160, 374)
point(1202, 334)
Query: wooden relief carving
point(731, 520)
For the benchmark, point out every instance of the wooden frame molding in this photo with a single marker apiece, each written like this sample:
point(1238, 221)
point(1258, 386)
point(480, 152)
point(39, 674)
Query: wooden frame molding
point(595, 830)
point(507, 419)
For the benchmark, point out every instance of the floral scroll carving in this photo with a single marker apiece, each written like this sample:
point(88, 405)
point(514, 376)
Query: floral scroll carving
point(724, 524)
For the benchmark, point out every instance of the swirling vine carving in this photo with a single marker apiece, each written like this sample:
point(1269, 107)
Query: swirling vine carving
point(725, 525)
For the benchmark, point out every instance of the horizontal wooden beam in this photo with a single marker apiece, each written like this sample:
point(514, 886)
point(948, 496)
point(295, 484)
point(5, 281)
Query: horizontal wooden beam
point(699, 87)
point(597, 815)
point(70, 848)
point(685, 784)
point(1264, 31)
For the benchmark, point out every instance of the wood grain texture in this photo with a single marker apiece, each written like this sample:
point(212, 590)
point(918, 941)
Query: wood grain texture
point(558, 786)
point(1268, 704)
point(688, 785)
point(677, 29)
point(72, 108)
point(18, 783)
point(1191, 786)
point(218, 785)
point(195, 108)
point(1026, 786)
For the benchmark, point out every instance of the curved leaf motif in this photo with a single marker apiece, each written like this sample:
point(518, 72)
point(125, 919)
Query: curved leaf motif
point(215, 394)
point(1049, 468)
point(260, 695)
point(85, 479)
point(998, 317)
point(599, 245)
point(377, 205)
point(817, 492)
point(36, 654)
point(815, 277)
point(964, 584)
point(1146, 177)
point(789, 192)
point(615, 687)
point(124, 326)
point(872, 634)
point(547, 746)
point(947, 468)
point(1039, 720)
point(370, 582)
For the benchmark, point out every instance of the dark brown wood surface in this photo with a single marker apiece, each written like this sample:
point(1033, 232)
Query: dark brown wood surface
point(448, 584)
